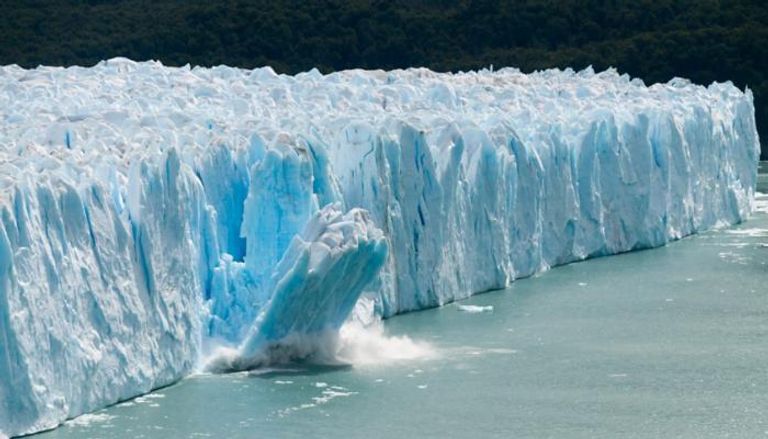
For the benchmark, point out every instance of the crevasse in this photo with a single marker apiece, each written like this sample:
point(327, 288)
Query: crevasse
point(154, 219)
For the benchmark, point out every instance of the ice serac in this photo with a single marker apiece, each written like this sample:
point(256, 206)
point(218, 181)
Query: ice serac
point(316, 284)
point(152, 218)
point(320, 277)
point(279, 202)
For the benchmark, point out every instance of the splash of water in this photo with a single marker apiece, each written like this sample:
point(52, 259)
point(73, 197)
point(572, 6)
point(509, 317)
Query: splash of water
point(356, 344)
point(370, 345)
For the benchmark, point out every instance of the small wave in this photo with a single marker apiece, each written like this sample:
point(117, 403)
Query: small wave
point(754, 231)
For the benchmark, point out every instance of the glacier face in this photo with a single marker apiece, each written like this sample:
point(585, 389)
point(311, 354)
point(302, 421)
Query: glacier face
point(153, 217)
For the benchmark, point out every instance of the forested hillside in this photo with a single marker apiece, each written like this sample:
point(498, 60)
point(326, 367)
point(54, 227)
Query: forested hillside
point(704, 40)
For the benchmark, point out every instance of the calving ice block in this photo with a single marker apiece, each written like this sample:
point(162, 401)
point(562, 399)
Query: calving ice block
point(152, 218)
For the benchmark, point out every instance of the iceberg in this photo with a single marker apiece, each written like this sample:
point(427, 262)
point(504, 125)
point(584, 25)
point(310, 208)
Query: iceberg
point(156, 220)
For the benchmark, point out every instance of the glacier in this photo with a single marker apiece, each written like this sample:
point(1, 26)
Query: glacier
point(157, 220)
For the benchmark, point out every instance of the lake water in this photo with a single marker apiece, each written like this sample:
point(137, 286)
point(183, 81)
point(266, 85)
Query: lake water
point(671, 342)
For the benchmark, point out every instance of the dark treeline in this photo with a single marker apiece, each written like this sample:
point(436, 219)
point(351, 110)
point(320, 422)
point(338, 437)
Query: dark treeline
point(704, 40)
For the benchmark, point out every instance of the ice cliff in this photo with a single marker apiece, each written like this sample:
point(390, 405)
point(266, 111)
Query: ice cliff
point(153, 219)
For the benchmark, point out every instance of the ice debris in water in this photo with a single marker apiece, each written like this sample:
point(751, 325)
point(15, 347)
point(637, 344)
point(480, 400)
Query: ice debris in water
point(153, 218)
point(89, 419)
point(475, 308)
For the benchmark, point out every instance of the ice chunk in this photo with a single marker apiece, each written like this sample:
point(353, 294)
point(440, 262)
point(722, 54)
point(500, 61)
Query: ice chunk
point(473, 309)
point(318, 281)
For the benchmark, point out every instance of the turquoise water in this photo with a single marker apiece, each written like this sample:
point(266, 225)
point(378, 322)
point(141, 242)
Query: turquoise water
point(671, 342)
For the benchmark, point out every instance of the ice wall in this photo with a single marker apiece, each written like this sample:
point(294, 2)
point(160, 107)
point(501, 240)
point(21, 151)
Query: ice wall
point(96, 305)
point(152, 218)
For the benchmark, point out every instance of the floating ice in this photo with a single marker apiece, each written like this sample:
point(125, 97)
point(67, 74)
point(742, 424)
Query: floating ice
point(475, 308)
point(89, 419)
point(152, 216)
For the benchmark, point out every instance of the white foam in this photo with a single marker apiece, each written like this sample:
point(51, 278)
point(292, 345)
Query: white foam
point(754, 231)
point(326, 396)
point(89, 419)
point(330, 394)
point(356, 344)
point(148, 397)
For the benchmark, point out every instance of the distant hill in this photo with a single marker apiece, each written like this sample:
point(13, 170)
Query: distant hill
point(704, 40)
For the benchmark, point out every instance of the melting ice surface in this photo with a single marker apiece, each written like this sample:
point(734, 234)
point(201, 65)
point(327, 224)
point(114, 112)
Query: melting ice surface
point(155, 219)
